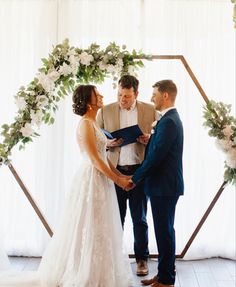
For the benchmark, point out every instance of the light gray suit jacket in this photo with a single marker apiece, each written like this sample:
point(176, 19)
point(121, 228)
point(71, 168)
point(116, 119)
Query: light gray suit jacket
point(108, 118)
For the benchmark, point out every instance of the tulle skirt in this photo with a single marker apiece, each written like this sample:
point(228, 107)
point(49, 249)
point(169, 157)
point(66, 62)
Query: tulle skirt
point(86, 249)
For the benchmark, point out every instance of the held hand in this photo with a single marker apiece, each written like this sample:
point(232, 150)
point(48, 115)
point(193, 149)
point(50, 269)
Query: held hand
point(143, 139)
point(125, 176)
point(130, 185)
point(122, 181)
point(114, 142)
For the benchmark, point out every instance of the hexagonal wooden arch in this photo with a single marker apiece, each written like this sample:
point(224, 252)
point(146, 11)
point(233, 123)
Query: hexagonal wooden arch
point(207, 212)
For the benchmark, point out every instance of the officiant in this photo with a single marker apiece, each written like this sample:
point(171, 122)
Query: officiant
point(128, 111)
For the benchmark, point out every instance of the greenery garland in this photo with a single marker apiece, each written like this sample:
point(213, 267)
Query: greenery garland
point(65, 68)
point(223, 127)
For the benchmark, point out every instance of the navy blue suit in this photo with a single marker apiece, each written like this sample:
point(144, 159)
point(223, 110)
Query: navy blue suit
point(162, 173)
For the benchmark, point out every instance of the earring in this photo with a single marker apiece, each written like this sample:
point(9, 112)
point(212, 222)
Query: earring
point(89, 107)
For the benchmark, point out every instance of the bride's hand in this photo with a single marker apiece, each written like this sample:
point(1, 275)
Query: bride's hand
point(122, 181)
point(125, 176)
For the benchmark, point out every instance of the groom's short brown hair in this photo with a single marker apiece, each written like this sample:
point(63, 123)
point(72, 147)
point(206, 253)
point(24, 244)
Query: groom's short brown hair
point(166, 86)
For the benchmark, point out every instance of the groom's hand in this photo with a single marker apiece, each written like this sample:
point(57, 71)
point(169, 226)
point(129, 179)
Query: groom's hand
point(130, 185)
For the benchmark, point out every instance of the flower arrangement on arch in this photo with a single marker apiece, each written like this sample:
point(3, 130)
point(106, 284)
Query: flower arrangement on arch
point(64, 68)
point(223, 127)
point(234, 12)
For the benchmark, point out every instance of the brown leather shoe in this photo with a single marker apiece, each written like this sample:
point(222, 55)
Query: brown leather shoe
point(147, 282)
point(142, 268)
point(153, 282)
point(157, 284)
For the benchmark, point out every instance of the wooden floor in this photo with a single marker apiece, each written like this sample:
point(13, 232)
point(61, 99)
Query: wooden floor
point(213, 272)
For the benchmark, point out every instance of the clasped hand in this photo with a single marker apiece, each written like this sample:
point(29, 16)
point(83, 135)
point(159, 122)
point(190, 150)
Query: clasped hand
point(125, 182)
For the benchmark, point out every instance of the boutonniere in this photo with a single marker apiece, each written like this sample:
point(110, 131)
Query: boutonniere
point(153, 127)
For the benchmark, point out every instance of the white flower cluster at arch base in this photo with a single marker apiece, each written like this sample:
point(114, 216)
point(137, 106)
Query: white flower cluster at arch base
point(64, 68)
point(228, 146)
point(222, 126)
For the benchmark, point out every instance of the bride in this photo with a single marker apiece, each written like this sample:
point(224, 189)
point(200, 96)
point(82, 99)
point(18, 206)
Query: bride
point(86, 250)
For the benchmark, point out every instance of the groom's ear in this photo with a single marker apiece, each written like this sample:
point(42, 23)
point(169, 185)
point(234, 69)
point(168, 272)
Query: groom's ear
point(165, 96)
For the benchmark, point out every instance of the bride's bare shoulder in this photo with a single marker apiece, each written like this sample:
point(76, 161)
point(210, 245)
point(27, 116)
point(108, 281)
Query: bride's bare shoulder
point(84, 125)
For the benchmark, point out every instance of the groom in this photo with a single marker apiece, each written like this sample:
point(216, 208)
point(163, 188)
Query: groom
point(161, 171)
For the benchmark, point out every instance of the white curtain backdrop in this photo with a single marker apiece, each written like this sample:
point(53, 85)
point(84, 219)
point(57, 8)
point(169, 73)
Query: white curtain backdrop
point(200, 30)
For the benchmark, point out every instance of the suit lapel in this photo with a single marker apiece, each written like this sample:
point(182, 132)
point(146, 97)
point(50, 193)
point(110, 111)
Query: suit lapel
point(140, 114)
point(116, 117)
point(166, 114)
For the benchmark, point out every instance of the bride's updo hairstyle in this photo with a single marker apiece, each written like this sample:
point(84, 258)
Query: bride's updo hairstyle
point(82, 98)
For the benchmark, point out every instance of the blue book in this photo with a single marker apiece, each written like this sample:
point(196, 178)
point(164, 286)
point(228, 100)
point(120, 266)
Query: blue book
point(129, 134)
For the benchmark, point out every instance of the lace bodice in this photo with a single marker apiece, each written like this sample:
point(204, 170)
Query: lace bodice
point(101, 140)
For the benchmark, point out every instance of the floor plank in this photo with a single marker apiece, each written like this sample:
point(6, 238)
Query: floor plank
point(214, 272)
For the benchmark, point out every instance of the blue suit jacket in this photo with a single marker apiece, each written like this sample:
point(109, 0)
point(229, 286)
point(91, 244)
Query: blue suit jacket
point(162, 165)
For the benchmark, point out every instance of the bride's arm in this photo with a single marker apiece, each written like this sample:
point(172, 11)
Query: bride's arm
point(116, 171)
point(87, 136)
point(113, 168)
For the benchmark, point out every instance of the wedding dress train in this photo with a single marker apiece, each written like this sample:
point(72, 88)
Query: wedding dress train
point(86, 249)
point(4, 262)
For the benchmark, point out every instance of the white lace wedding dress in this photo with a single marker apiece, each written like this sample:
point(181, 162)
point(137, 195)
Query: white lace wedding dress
point(86, 250)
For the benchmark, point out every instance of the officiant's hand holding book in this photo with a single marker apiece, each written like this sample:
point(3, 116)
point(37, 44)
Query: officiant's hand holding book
point(124, 136)
point(114, 142)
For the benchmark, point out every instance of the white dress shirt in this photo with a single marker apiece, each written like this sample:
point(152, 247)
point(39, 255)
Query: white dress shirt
point(166, 110)
point(128, 155)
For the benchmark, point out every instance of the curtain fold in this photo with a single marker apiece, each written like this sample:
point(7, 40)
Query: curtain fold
point(29, 29)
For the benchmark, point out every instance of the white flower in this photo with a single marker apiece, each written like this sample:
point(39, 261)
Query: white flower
point(102, 66)
point(71, 52)
point(118, 69)
point(223, 144)
point(65, 69)
point(120, 63)
point(153, 127)
point(32, 93)
point(53, 75)
point(74, 64)
point(47, 83)
point(85, 58)
point(234, 141)
point(227, 131)
point(72, 59)
point(27, 130)
point(111, 69)
point(131, 70)
point(74, 68)
point(231, 158)
point(105, 58)
point(36, 117)
point(42, 101)
point(20, 103)
point(119, 66)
